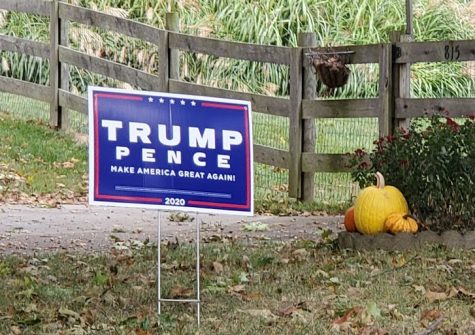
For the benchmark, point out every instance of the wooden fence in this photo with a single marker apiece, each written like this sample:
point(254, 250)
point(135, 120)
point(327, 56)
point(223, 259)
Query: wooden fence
point(392, 106)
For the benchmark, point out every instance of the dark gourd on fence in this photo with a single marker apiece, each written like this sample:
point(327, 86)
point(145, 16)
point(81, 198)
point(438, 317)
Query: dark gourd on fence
point(331, 70)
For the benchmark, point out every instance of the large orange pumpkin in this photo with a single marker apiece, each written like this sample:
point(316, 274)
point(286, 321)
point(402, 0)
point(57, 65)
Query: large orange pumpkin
point(349, 220)
point(374, 204)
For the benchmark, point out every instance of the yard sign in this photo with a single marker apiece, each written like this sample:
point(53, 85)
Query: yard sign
point(170, 151)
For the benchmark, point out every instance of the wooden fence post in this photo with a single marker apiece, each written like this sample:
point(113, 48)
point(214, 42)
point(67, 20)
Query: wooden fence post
point(295, 123)
point(401, 76)
point(308, 40)
point(64, 72)
point(172, 24)
point(58, 73)
point(54, 70)
point(163, 61)
point(386, 118)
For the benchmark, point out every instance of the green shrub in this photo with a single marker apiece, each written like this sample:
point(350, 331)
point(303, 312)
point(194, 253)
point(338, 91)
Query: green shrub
point(433, 164)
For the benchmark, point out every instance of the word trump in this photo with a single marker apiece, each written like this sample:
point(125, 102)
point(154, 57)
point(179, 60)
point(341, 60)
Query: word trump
point(139, 132)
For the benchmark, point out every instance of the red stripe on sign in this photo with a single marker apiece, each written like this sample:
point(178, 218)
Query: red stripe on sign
point(120, 96)
point(224, 106)
point(216, 204)
point(120, 197)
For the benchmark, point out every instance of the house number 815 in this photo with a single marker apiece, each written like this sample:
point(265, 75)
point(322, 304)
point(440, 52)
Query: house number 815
point(452, 52)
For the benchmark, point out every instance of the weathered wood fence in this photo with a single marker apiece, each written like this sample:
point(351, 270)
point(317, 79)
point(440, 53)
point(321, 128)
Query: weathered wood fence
point(392, 106)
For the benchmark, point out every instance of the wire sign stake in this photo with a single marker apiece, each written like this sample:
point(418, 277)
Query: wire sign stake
point(197, 300)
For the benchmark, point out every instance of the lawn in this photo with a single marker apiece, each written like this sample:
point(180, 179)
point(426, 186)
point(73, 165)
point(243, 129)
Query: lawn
point(39, 164)
point(247, 288)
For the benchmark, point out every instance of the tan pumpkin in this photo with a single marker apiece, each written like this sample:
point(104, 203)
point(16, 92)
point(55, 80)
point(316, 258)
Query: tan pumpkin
point(349, 220)
point(401, 223)
point(375, 203)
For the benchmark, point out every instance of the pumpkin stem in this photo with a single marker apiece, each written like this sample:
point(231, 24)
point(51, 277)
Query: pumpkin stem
point(379, 180)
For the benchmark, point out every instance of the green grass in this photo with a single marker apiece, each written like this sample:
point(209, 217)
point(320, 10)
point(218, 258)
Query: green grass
point(265, 288)
point(35, 159)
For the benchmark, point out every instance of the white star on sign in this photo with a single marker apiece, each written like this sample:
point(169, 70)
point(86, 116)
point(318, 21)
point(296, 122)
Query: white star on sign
point(161, 100)
point(172, 101)
point(193, 103)
point(182, 102)
point(150, 99)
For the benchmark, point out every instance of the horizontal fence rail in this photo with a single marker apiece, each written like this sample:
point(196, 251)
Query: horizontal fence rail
point(354, 54)
point(271, 156)
point(343, 108)
point(260, 103)
point(235, 50)
point(72, 101)
point(300, 109)
point(441, 51)
point(109, 68)
point(24, 46)
point(109, 22)
point(312, 162)
point(27, 6)
point(409, 108)
point(26, 89)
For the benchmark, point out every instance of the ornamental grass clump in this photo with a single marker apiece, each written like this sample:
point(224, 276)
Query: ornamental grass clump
point(433, 164)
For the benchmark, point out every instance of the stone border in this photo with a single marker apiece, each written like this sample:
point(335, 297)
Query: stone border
point(405, 241)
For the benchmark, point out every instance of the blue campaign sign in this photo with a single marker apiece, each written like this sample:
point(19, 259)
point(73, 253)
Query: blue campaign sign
point(170, 151)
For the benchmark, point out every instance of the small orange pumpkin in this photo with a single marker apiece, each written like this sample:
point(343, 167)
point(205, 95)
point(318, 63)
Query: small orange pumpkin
point(401, 223)
point(349, 220)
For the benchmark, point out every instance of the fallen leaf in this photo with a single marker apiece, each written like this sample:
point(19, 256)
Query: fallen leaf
point(16, 330)
point(237, 289)
point(218, 267)
point(399, 261)
point(464, 292)
point(180, 292)
point(348, 314)
point(67, 313)
point(251, 296)
point(287, 311)
point(435, 296)
point(300, 254)
point(142, 332)
point(68, 165)
point(430, 315)
point(419, 288)
point(452, 292)
point(261, 313)
point(343, 327)
point(373, 331)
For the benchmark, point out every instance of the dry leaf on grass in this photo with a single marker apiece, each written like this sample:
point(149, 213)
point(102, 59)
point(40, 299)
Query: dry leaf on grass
point(261, 313)
point(180, 292)
point(218, 267)
point(348, 314)
point(287, 311)
point(428, 316)
point(237, 289)
point(300, 255)
point(433, 296)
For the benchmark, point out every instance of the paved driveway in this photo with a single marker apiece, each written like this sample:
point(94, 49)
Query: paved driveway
point(26, 229)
